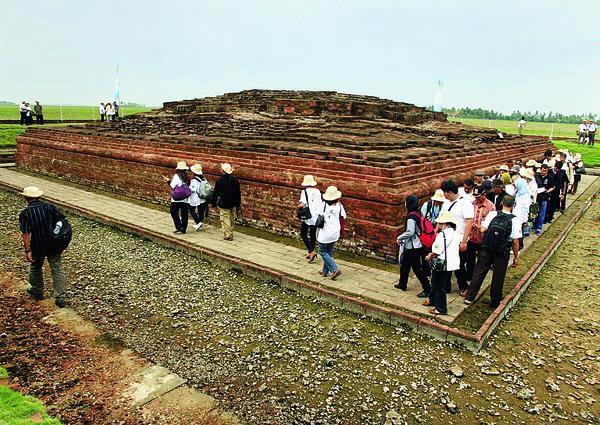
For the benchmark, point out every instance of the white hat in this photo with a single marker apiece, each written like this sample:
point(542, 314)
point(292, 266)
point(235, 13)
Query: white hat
point(196, 169)
point(438, 196)
point(523, 172)
point(538, 164)
point(332, 193)
point(528, 174)
point(32, 192)
point(181, 165)
point(503, 167)
point(530, 163)
point(227, 168)
point(577, 157)
point(309, 180)
point(446, 217)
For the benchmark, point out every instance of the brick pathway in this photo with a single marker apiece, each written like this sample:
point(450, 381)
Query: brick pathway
point(357, 279)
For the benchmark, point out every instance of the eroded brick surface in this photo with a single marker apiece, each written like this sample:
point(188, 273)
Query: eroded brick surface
point(376, 151)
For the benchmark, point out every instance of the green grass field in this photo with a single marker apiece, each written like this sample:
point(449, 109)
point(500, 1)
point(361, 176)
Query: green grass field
point(52, 112)
point(9, 133)
point(561, 131)
point(590, 154)
point(17, 409)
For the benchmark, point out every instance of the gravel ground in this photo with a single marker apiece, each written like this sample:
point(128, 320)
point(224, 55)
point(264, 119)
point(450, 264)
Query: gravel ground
point(271, 356)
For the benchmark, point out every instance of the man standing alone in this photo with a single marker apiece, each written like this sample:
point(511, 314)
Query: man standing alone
point(228, 198)
point(35, 222)
point(39, 115)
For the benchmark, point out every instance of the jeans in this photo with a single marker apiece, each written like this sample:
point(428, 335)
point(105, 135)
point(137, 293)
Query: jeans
point(487, 260)
point(437, 297)
point(326, 251)
point(412, 259)
point(539, 221)
point(36, 276)
point(199, 212)
point(179, 213)
point(308, 233)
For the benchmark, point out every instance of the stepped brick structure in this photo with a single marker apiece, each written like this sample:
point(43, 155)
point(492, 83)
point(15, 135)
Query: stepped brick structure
point(376, 151)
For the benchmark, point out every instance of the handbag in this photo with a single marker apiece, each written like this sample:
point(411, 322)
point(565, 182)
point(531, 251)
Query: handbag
point(437, 264)
point(303, 213)
point(320, 223)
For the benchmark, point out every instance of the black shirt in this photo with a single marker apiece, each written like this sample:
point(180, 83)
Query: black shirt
point(497, 200)
point(547, 182)
point(560, 178)
point(227, 188)
point(36, 220)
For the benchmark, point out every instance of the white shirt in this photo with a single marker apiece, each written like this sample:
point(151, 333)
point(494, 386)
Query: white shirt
point(583, 128)
point(194, 199)
point(22, 107)
point(314, 202)
point(331, 230)
point(449, 252)
point(592, 127)
point(522, 123)
point(462, 209)
point(102, 109)
point(176, 181)
point(516, 224)
point(461, 192)
point(109, 109)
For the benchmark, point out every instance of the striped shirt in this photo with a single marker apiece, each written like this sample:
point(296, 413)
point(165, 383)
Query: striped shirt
point(36, 220)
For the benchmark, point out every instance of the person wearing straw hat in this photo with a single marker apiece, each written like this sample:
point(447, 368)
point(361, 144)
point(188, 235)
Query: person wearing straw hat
point(201, 192)
point(501, 170)
point(228, 197)
point(180, 203)
point(444, 259)
point(578, 170)
point(35, 223)
point(431, 209)
point(334, 219)
point(310, 197)
point(591, 132)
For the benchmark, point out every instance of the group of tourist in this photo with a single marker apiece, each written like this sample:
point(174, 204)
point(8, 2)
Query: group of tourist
point(109, 111)
point(27, 113)
point(472, 229)
point(586, 133)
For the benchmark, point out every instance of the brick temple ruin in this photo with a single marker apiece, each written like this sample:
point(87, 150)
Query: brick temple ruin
point(376, 151)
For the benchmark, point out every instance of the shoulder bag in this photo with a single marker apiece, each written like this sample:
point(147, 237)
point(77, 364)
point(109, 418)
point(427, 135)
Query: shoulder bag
point(438, 265)
point(303, 213)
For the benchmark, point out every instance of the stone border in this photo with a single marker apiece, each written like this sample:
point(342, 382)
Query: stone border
point(392, 316)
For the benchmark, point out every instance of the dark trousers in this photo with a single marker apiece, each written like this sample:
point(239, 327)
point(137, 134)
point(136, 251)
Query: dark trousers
point(179, 213)
point(23, 118)
point(485, 262)
point(437, 297)
point(412, 258)
point(472, 252)
point(461, 273)
point(309, 236)
point(553, 205)
point(592, 136)
point(199, 212)
point(39, 118)
point(102, 117)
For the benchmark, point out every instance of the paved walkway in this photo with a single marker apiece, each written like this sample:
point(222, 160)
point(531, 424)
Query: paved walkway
point(357, 279)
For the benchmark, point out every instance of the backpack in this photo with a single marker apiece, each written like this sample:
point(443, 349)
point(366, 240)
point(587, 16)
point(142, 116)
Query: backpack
point(497, 237)
point(205, 190)
point(426, 229)
point(60, 231)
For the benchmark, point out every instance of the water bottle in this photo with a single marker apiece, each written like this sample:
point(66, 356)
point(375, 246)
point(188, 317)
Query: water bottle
point(58, 227)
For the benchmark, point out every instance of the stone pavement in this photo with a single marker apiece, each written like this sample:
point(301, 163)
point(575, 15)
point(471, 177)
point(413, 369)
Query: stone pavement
point(359, 280)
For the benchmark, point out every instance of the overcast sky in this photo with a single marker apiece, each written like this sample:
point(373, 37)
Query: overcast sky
point(505, 54)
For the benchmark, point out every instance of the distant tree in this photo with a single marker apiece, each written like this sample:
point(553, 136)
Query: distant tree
point(516, 115)
point(6, 102)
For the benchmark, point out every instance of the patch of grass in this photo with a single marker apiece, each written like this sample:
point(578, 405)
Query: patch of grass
point(3, 373)
point(590, 154)
point(17, 409)
point(52, 112)
point(531, 129)
point(110, 340)
point(8, 135)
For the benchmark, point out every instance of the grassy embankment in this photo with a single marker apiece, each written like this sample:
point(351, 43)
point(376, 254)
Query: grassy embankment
point(16, 408)
point(52, 112)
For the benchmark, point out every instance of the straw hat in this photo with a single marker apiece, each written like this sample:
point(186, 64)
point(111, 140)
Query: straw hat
point(332, 193)
point(528, 174)
point(32, 192)
point(479, 172)
point(438, 196)
point(538, 164)
point(196, 169)
point(181, 165)
point(446, 217)
point(309, 180)
point(503, 167)
point(530, 163)
point(227, 168)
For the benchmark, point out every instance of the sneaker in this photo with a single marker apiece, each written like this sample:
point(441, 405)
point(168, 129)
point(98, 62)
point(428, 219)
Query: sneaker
point(336, 274)
point(61, 303)
point(35, 295)
point(538, 233)
point(177, 231)
point(423, 294)
point(468, 302)
point(198, 226)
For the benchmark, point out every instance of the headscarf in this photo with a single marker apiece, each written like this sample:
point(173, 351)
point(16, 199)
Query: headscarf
point(506, 178)
point(412, 203)
point(521, 187)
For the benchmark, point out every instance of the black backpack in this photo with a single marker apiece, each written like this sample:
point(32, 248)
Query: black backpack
point(59, 235)
point(497, 236)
